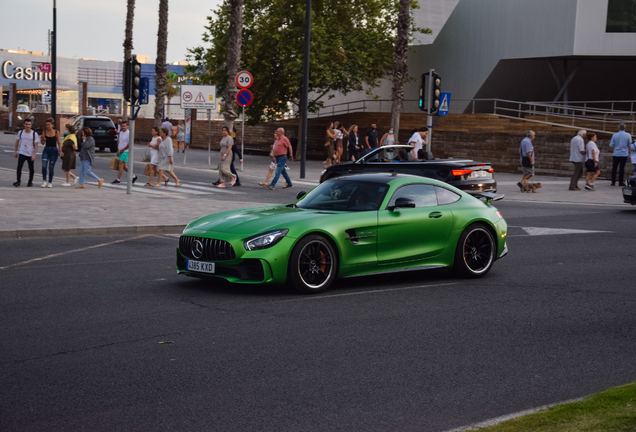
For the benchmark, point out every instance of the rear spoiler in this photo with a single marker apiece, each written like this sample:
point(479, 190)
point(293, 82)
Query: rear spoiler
point(490, 196)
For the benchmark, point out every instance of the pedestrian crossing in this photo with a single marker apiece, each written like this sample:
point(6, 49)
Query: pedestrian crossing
point(186, 188)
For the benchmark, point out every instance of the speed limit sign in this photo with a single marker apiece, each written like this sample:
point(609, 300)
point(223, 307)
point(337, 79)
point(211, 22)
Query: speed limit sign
point(244, 79)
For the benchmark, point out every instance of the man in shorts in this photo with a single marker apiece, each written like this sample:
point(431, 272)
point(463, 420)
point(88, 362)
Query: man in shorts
point(526, 157)
point(26, 147)
point(122, 152)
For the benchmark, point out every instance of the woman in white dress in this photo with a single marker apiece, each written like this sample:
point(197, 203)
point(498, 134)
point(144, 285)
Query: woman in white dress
point(154, 156)
point(180, 136)
point(165, 159)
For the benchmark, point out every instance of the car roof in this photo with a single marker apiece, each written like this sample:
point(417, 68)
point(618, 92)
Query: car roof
point(96, 117)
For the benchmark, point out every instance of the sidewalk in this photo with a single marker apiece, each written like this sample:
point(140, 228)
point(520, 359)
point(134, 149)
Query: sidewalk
point(60, 211)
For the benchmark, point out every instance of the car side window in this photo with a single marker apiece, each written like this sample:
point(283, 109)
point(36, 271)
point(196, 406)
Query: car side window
point(445, 196)
point(424, 195)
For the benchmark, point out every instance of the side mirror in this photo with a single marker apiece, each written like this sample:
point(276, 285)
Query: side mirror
point(402, 203)
point(301, 194)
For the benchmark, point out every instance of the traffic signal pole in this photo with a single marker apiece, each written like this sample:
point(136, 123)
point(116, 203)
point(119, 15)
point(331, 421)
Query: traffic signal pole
point(429, 116)
point(131, 147)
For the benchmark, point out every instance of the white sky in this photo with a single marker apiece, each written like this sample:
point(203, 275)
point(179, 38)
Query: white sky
point(95, 28)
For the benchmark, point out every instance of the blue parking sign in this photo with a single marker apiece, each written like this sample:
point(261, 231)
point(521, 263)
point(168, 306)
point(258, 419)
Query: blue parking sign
point(143, 91)
point(444, 104)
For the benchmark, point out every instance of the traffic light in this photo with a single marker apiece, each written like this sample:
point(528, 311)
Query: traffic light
point(437, 92)
point(135, 79)
point(423, 93)
point(127, 74)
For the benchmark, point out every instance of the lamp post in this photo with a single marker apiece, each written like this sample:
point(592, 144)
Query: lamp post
point(305, 92)
point(54, 67)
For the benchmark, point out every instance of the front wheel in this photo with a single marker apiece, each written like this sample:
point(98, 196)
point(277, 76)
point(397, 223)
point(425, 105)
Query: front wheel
point(475, 252)
point(312, 265)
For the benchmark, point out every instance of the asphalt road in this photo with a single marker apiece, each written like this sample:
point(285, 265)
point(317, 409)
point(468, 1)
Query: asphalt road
point(100, 334)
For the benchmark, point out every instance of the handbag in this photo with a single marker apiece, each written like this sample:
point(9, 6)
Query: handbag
point(148, 170)
point(525, 162)
point(114, 164)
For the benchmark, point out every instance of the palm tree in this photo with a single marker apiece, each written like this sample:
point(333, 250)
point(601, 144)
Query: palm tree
point(172, 79)
point(128, 46)
point(233, 62)
point(400, 69)
point(160, 64)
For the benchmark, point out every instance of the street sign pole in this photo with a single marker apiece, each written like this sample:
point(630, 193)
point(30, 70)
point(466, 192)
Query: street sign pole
point(131, 135)
point(242, 135)
point(429, 116)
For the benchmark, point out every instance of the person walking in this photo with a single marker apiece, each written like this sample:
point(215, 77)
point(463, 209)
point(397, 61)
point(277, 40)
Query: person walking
point(354, 143)
point(122, 152)
point(51, 140)
point(281, 148)
point(236, 151)
point(388, 139)
point(418, 140)
point(26, 147)
point(166, 151)
point(180, 136)
point(330, 136)
point(153, 145)
point(620, 142)
point(87, 158)
point(577, 157)
point(69, 147)
point(225, 160)
point(338, 142)
point(371, 140)
point(526, 157)
point(591, 163)
point(167, 124)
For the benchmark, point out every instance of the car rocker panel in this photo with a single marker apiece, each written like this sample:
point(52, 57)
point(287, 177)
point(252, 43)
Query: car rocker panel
point(329, 232)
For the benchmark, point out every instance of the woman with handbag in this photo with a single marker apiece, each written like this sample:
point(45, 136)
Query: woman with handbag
point(87, 157)
point(166, 152)
point(69, 147)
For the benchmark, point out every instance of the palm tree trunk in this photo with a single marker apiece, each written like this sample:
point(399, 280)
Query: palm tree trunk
point(233, 62)
point(128, 46)
point(400, 69)
point(160, 64)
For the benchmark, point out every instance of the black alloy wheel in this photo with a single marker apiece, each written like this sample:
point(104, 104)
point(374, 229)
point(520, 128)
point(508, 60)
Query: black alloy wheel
point(313, 265)
point(476, 251)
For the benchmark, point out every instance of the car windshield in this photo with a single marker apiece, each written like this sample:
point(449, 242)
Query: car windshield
point(390, 154)
point(99, 123)
point(345, 195)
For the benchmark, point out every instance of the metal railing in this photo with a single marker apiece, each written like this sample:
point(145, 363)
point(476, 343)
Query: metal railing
point(575, 115)
point(364, 105)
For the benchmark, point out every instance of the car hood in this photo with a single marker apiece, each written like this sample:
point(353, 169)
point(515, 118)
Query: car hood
point(253, 221)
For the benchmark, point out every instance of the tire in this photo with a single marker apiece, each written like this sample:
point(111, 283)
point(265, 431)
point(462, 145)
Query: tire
point(313, 265)
point(475, 253)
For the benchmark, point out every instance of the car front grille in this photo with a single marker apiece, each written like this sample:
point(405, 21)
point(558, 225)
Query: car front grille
point(210, 249)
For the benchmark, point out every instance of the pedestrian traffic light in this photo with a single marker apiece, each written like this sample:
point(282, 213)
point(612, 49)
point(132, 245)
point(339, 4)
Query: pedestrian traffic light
point(135, 79)
point(423, 93)
point(127, 75)
point(437, 92)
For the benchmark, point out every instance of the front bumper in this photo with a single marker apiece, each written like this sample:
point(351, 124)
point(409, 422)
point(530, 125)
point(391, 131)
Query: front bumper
point(629, 195)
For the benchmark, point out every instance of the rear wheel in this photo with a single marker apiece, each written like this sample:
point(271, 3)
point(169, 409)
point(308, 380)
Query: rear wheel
point(312, 265)
point(475, 252)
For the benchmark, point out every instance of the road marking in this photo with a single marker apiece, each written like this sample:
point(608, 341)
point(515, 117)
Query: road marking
point(537, 231)
point(319, 297)
point(497, 420)
point(74, 250)
point(97, 262)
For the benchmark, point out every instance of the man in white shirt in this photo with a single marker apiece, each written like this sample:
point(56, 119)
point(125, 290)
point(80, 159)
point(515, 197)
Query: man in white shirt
point(577, 157)
point(418, 140)
point(26, 147)
point(123, 142)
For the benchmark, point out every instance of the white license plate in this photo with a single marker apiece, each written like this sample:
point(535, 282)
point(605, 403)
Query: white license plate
point(203, 267)
point(628, 192)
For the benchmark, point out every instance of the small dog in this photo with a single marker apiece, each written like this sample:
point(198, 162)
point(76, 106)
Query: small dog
point(527, 186)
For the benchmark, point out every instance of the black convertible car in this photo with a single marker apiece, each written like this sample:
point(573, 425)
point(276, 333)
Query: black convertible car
point(464, 174)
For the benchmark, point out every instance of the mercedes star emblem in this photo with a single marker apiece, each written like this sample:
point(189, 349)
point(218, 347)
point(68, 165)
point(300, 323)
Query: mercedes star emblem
point(197, 249)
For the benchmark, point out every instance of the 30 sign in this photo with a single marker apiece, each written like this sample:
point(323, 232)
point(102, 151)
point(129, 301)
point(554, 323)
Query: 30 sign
point(244, 79)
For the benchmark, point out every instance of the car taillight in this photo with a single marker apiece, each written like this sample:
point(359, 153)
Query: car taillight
point(491, 170)
point(461, 172)
point(113, 131)
point(499, 214)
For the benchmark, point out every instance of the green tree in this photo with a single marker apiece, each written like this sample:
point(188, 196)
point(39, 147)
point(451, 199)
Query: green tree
point(172, 85)
point(351, 49)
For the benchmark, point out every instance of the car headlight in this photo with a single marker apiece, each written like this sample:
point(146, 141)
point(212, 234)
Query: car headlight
point(266, 240)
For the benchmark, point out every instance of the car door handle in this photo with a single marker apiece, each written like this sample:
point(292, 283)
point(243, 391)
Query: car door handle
point(435, 215)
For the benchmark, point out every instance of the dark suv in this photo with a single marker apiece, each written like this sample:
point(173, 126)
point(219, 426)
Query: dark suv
point(103, 128)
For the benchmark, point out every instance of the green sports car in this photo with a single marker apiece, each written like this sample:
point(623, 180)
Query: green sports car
point(348, 226)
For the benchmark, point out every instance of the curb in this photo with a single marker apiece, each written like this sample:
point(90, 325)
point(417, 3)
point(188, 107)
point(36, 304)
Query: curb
point(74, 232)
